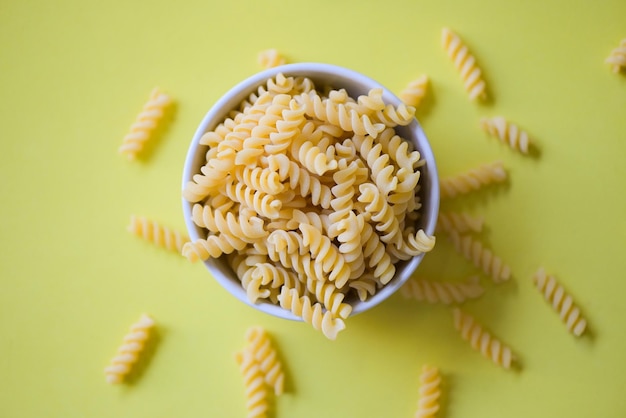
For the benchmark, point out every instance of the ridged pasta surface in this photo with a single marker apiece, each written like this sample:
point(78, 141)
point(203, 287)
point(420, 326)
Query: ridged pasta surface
point(472, 180)
point(415, 91)
point(506, 132)
point(130, 350)
point(429, 392)
point(433, 291)
point(465, 63)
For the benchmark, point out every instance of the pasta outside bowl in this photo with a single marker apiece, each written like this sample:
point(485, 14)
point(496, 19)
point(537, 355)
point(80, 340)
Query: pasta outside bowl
point(355, 84)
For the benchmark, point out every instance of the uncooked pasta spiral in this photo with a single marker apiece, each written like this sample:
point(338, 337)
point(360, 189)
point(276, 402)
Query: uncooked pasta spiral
point(381, 213)
point(128, 353)
point(261, 179)
point(269, 58)
point(365, 286)
point(254, 383)
point(481, 340)
point(561, 301)
point(327, 254)
point(392, 116)
point(287, 128)
point(311, 313)
point(429, 392)
point(145, 124)
point(246, 226)
point(472, 180)
point(462, 222)
point(474, 251)
point(378, 162)
point(343, 193)
point(617, 58)
point(328, 295)
point(432, 291)
point(158, 234)
point(506, 132)
point(213, 246)
point(376, 255)
point(465, 63)
point(260, 345)
point(399, 150)
point(415, 91)
point(264, 204)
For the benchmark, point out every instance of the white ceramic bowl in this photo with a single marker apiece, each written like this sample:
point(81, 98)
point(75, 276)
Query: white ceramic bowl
point(355, 84)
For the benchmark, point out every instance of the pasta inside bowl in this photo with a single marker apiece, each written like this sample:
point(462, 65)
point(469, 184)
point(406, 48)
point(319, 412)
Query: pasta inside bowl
point(300, 139)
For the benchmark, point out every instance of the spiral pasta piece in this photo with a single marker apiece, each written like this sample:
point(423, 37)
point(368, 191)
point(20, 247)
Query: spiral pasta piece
point(506, 132)
point(617, 58)
point(561, 302)
point(415, 91)
point(381, 213)
point(269, 58)
point(254, 383)
point(481, 340)
point(432, 291)
point(264, 204)
point(472, 180)
point(392, 116)
point(327, 254)
point(474, 251)
point(128, 353)
point(312, 314)
point(378, 162)
point(213, 246)
point(327, 294)
point(429, 392)
point(462, 222)
point(158, 234)
point(145, 123)
point(267, 357)
point(465, 63)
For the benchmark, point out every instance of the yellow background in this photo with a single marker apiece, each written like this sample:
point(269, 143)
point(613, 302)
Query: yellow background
point(73, 76)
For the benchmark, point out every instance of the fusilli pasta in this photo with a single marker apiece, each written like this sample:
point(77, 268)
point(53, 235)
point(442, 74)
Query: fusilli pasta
point(617, 58)
point(128, 353)
point(267, 357)
point(432, 291)
point(269, 58)
point(145, 124)
point(254, 383)
point(415, 91)
point(465, 63)
point(462, 222)
point(474, 251)
point(561, 301)
point(507, 132)
point(429, 392)
point(481, 340)
point(158, 234)
point(472, 180)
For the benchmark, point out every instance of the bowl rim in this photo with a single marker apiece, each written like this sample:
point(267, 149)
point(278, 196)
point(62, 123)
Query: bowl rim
point(331, 73)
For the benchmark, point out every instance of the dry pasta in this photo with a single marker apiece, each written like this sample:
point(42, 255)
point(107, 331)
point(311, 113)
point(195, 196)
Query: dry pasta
point(465, 63)
point(561, 301)
point(507, 132)
point(481, 340)
point(429, 392)
point(254, 383)
point(158, 234)
point(128, 353)
point(462, 222)
point(475, 252)
point(415, 91)
point(145, 123)
point(312, 197)
point(432, 291)
point(472, 180)
point(617, 58)
point(269, 58)
point(265, 354)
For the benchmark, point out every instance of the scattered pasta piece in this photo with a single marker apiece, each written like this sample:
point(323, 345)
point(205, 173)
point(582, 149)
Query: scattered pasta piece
point(617, 59)
point(267, 357)
point(158, 234)
point(432, 291)
point(563, 304)
point(474, 251)
point(128, 353)
point(472, 180)
point(465, 63)
point(429, 392)
point(481, 340)
point(256, 391)
point(145, 124)
point(507, 132)
point(415, 91)
point(309, 194)
point(269, 58)
point(462, 222)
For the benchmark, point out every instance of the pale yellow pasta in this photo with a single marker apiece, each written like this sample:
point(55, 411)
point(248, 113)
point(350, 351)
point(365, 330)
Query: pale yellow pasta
point(415, 91)
point(433, 291)
point(254, 383)
point(617, 58)
point(130, 350)
point(266, 355)
point(158, 234)
point(465, 64)
point(472, 180)
point(145, 123)
point(481, 340)
point(311, 196)
point(506, 132)
point(269, 58)
point(561, 302)
point(475, 252)
point(429, 392)
point(462, 222)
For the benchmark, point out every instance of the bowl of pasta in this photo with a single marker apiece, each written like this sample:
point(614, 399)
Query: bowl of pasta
point(310, 192)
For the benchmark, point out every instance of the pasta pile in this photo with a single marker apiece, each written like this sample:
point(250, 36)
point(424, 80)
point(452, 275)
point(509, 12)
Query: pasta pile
point(143, 128)
point(261, 369)
point(128, 353)
point(312, 196)
point(617, 58)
